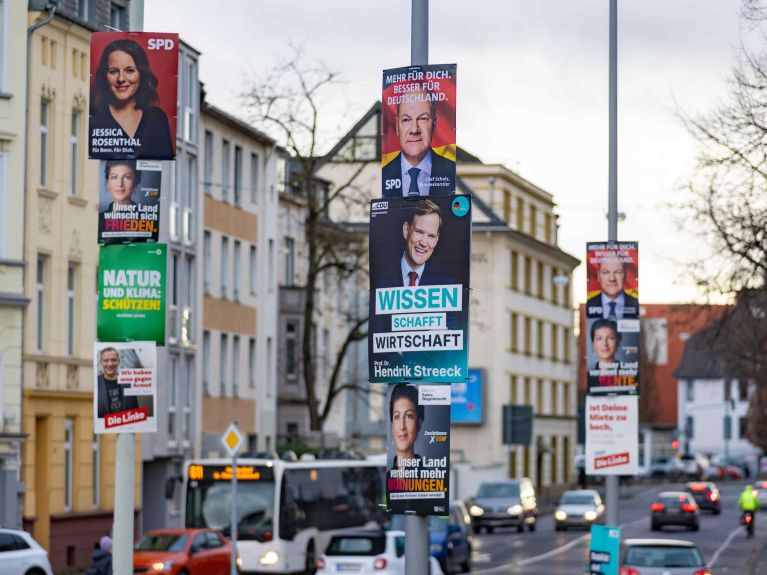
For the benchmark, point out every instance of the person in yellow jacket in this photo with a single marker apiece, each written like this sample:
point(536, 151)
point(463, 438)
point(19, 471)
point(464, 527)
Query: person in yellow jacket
point(748, 503)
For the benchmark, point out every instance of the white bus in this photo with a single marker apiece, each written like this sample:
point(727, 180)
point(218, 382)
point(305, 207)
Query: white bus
point(286, 510)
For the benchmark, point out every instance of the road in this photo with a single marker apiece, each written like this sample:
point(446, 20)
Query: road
point(721, 540)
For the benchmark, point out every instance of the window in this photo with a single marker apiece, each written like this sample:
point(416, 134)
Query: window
point(222, 364)
point(83, 9)
point(96, 469)
point(566, 344)
point(539, 396)
point(742, 390)
point(514, 270)
point(173, 286)
point(255, 173)
point(528, 336)
point(118, 17)
point(206, 362)
point(727, 390)
point(554, 343)
point(514, 332)
point(253, 270)
point(742, 428)
point(225, 170)
point(520, 214)
point(71, 308)
point(282, 169)
point(187, 323)
point(188, 220)
point(539, 338)
point(547, 228)
point(554, 398)
point(252, 363)
point(186, 422)
point(173, 399)
point(270, 268)
point(236, 366)
point(40, 303)
point(237, 175)
point(289, 261)
point(190, 96)
point(528, 391)
point(566, 398)
point(690, 391)
point(506, 207)
point(206, 259)
point(208, 161)
point(237, 267)
point(555, 288)
point(291, 350)
point(44, 143)
point(69, 442)
point(689, 427)
point(74, 149)
point(528, 276)
point(224, 266)
point(513, 389)
point(533, 221)
point(540, 280)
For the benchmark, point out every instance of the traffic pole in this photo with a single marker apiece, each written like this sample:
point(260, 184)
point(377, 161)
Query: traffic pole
point(612, 481)
point(417, 527)
point(233, 528)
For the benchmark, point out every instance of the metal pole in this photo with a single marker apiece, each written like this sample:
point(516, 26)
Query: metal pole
point(612, 481)
point(233, 529)
point(417, 528)
point(125, 481)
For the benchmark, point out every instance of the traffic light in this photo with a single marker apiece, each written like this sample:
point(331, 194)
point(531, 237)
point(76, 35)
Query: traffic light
point(675, 444)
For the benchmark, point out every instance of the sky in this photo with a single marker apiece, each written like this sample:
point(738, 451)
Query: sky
point(532, 93)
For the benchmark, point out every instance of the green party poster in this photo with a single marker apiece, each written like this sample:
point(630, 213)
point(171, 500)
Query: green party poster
point(132, 293)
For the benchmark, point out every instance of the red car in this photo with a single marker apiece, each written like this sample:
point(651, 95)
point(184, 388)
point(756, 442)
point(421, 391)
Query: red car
point(182, 552)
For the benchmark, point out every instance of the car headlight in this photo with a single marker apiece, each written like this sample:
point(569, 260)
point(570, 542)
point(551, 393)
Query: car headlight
point(269, 558)
point(239, 562)
point(560, 515)
point(162, 565)
point(514, 510)
point(435, 548)
point(476, 511)
point(590, 515)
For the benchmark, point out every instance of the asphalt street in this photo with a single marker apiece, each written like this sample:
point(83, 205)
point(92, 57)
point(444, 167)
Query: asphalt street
point(721, 539)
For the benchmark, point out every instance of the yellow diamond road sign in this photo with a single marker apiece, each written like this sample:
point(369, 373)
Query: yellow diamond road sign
point(232, 439)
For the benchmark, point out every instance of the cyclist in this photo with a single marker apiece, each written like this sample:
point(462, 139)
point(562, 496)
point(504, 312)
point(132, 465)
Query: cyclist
point(748, 504)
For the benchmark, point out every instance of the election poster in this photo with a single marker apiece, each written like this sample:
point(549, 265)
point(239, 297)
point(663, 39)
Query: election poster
point(418, 150)
point(612, 313)
point(129, 201)
point(124, 387)
point(604, 550)
point(466, 399)
point(419, 298)
point(132, 293)
point(133, 95)
point(418, 449)
point(612, 439)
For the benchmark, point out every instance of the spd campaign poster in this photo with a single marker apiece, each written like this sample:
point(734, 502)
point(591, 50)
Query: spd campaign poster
point(124, 387)
point(604, 550)
point(612, 439)
point(133, 96)
point(419, 289)
point(418, 449)
point(132, 293)
point(418, 148)
point(129, 201)
point(612, 318)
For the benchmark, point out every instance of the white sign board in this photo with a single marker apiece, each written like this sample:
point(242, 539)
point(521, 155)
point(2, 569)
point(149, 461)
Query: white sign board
point(232, 439)
point(612, 435)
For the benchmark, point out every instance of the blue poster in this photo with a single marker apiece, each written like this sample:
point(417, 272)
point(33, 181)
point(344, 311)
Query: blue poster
point(466, 399)
point(604, 550)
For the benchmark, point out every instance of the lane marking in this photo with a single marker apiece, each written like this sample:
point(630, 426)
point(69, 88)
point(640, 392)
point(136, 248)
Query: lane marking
point(724, 545)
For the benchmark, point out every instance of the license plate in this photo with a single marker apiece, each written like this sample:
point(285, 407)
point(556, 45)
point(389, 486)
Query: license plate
point(348, 567)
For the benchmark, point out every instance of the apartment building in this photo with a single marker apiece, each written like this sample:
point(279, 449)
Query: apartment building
point(240, 297)
point(13, 61)
point(68, 471)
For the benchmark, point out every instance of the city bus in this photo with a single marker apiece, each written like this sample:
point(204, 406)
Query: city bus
point(286, 510)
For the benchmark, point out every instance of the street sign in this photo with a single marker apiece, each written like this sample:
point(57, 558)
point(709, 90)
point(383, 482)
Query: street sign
point(232, 440)
point(517, 424)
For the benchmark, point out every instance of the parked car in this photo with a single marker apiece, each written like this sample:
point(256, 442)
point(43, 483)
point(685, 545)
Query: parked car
point(187, 551)
point(368, 552)
point(694, 466)
point(450, 538)
point(504, 503)
point(706, 495)
point(674, 508)
point(666, 467)
point(661, 557)
point(578, 508)
point(21, 554)
point(761, 493)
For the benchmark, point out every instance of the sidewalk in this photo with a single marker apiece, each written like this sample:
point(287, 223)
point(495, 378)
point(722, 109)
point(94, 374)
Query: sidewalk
point(757, 559)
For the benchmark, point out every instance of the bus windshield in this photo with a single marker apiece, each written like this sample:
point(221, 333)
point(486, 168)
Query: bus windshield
point(208, 504)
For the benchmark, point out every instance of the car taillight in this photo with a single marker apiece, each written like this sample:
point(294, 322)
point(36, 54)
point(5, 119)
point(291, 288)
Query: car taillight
point(320, 563)
point(712, 496)
point(657, 507)
point(380, 563)
point(628, 571)
point(703, 572)
point(688, 508)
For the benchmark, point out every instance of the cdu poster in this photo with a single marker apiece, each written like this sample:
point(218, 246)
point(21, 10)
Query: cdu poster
point(133, 96)
point(129, 201)
point(132, 293)
point(418, 453)
point(612, 318)
point(419, 279)
point(418, 150)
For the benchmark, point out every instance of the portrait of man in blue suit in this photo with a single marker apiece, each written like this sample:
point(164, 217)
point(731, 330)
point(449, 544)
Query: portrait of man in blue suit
point(612, 302)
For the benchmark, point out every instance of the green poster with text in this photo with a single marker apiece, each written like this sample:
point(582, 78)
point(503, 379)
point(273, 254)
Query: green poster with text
point(132, 293)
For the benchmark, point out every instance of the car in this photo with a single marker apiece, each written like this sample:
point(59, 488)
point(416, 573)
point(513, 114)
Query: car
point(761, 493)
point(367, 552)
point(578, 508)
point(450, 537)
point(187, 551)
point(661, 557)
point(706, 495)
point(504, 503)
point(21, 554)
point(694, 466)
point(666, 467)
point(674, 508)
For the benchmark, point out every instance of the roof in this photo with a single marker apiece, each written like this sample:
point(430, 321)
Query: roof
point(236, 123)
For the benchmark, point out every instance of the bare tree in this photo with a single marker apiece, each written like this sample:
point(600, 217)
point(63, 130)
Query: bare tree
point(287, 103)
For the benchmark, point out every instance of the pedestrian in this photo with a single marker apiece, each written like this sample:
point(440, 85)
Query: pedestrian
point(101, 563)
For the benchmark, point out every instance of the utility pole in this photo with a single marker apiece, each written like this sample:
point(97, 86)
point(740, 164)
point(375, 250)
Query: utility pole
point(612, 481)
point(417, 527)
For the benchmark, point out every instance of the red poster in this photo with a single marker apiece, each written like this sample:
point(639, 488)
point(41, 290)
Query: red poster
point(133, 95)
